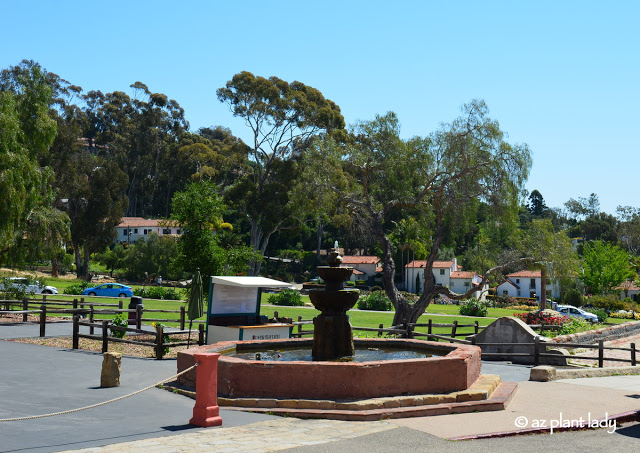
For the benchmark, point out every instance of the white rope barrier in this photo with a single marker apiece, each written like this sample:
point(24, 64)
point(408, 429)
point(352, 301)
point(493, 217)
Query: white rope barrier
point(99, 404)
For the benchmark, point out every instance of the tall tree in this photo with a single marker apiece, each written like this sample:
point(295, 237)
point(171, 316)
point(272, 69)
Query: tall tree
point(280, 115)
point(604, 266)
point(26, 134)
point(440, 179)
point(198, 209)
point(629, 228)
point(536, 205)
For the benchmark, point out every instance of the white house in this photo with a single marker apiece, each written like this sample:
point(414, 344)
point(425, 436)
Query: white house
point(461, 282)
point(628, 289)
point(364, 267)
point(527, 284)
point(131, 229)
point(442, 271)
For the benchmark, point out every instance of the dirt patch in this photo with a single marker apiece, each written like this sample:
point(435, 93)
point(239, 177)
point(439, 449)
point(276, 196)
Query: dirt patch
point(133, 350)
point(35, 273)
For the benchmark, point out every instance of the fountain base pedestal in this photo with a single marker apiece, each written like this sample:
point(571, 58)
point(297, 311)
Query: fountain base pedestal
point(332, 337)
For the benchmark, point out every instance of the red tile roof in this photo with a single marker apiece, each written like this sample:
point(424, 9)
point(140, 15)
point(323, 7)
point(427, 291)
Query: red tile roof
point(628, 286)
point(461, 274)
point(436, 264)
point(141, 222)
point(353, 259)
point(526, 274)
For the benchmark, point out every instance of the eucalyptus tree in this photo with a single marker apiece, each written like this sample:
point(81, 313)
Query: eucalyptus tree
point(141, 134)
point(27, 131)
point(280, 115)
point(439, 179)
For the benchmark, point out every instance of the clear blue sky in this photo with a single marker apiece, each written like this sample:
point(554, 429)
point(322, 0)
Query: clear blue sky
point(561, 76)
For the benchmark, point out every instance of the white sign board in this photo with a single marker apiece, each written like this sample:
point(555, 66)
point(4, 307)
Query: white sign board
point(228, 300)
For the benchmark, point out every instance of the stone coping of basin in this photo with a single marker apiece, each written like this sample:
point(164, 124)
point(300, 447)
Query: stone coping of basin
point(455, 370)
point(488, 393)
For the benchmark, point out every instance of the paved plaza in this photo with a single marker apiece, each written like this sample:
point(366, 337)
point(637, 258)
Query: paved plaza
point(36, 380)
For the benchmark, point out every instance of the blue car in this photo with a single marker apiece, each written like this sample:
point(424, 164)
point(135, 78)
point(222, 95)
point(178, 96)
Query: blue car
point(109, 290)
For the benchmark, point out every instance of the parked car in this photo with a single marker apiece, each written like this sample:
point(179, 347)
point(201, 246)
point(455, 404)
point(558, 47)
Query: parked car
point(22, 284)
point(109, 290)
point(569, 310)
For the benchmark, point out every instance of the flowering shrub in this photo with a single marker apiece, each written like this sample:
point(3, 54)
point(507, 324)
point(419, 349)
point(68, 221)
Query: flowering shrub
point(540, 317)
point(625, 315)
point(520, 307)
point(473, 307)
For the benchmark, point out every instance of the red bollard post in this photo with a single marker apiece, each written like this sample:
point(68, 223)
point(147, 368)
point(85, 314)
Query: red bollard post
point(206, 412)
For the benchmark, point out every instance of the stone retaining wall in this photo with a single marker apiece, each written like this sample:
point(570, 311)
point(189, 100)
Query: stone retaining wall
point(627, 329)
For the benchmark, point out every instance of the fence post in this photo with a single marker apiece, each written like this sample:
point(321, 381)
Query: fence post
point(76, 339)
point(454, 328)
point(75, 305)
point(536, 350)
point(25, 307)
point(633, 354)
point(600, 353)
point(105, 337)
point(299, 327)
point(275, 316)
point(159, 341)
point(182, 317)
point(429, 326)
point(120, 305)
point(200, 334)
point(43, 319)
point(138, 317)
point(476, 328)
point(380, 331)
point(44, 298)
point(91, 315)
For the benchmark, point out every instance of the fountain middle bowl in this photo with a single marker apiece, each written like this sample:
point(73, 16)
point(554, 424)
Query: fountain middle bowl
point(334, 301)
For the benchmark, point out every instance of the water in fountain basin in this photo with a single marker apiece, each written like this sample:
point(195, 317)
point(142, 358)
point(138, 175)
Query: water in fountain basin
point(361, 355)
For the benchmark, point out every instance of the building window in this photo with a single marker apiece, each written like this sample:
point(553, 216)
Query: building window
point(505, 293)
point(518, 292)
point(532, 284)
point(166, 231)
point(517, 280)
point(441, 271)
point(178, 231)
point(135, 231)
point(466, 283)
point(125, 232)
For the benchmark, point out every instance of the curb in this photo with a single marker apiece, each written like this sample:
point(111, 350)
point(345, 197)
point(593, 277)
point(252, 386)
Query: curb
point(626, 417)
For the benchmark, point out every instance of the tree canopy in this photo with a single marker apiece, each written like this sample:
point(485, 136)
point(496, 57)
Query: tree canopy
point(440, 179)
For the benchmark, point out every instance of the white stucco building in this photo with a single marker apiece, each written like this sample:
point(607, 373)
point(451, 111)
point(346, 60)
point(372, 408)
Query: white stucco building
point(364, 267)
point(445, 273)
point(527, 284)
point(131, 229)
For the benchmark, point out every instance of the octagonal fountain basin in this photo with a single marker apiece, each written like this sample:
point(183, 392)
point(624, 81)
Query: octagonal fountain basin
point(431, 368)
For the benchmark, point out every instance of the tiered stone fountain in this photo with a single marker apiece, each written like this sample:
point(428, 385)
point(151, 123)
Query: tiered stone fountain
point(332, 335)
point(282, 369)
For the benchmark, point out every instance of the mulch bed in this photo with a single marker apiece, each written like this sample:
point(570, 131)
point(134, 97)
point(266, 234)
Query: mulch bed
point(87, 344)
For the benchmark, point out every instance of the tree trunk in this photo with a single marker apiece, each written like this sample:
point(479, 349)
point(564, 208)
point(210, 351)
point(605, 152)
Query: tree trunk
point(543, 288)
point(54, 266)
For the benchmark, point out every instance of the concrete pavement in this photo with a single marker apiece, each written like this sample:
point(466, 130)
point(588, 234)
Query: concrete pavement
point(36, 379)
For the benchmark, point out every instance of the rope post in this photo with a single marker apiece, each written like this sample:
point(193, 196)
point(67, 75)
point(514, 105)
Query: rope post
point(600, 353)
point(43, 319)
point(105, 337)
point(633, 354)
point(381, 326)
point(536, 350)
point(200, 334)
point(76, 339)
point(182, 317)
point(139, 317)
point(206, 412)
point(476, 328)
point(159, 341)
point(25, 307)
